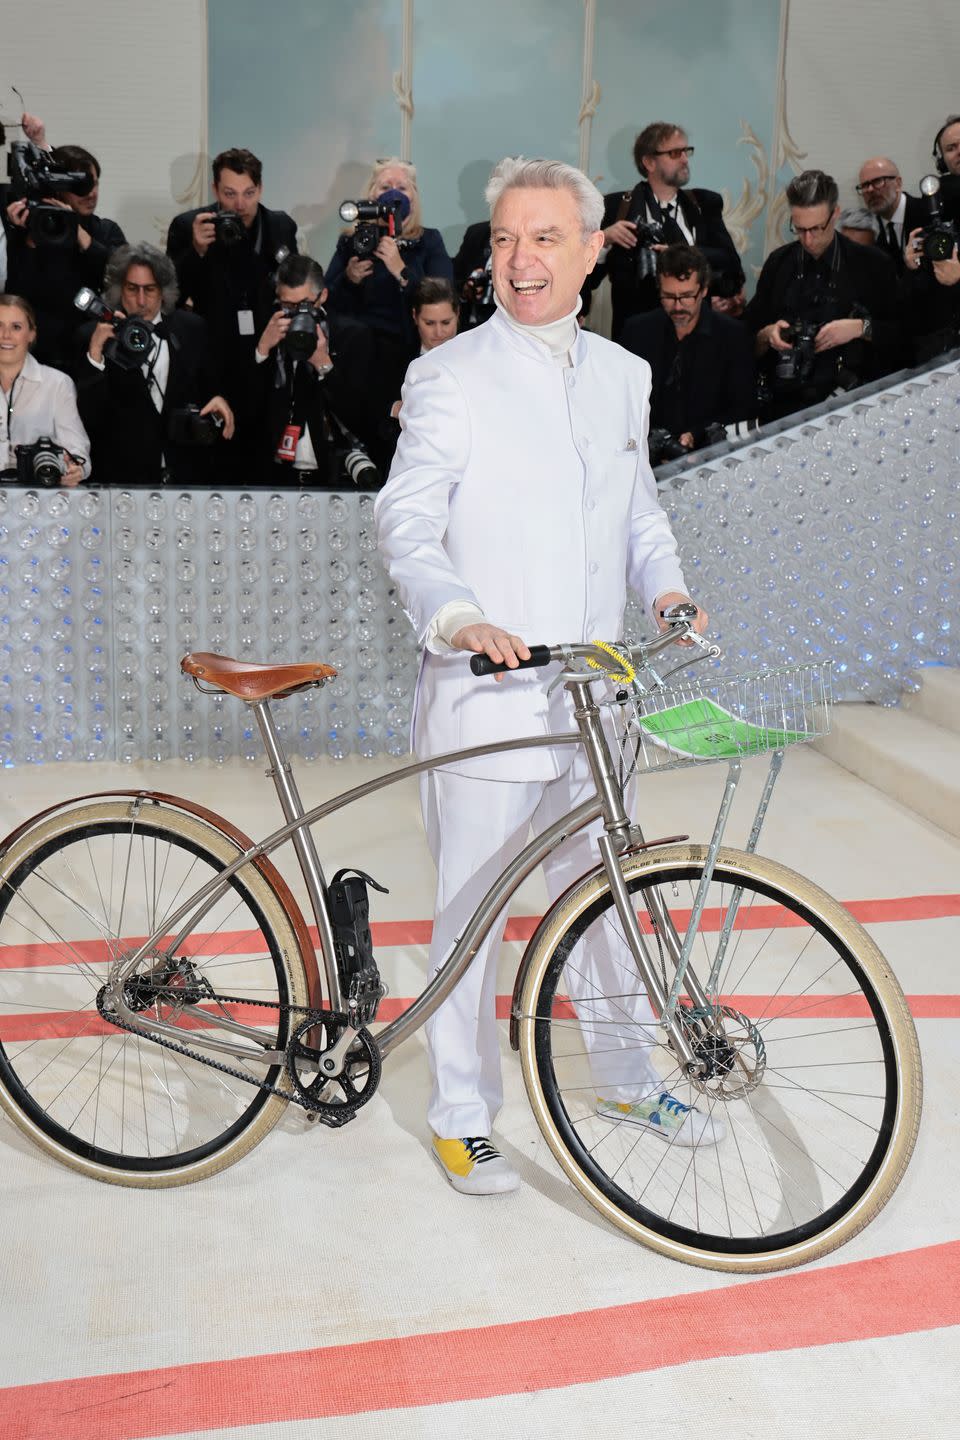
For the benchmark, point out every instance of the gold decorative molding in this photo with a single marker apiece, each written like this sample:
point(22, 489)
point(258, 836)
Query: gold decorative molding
point(785, 149)
point(403, 81)
point(589, 88)
point(739, 218)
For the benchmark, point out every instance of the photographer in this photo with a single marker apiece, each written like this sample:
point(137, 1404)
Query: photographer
point(880, 187)
point(50, 256)
point(310, 400)
point(226, 255)
point(824, 313)
point(375, 287)
point(135, 384)
point(701, 361)
point(659, 211)
point(931, 288)
point(37, 403)
point(472, 277)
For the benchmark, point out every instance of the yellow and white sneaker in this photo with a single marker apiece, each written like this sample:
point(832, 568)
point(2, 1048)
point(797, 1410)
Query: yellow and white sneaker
point(667, 1117)
point(474, 1166)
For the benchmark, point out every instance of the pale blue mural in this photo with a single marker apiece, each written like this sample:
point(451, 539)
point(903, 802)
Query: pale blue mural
point(497, 78)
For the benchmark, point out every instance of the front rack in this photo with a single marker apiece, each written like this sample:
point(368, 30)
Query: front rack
point(726, 718)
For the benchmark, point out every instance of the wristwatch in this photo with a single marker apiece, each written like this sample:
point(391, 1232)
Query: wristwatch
point(404, 276)
point(867, 324)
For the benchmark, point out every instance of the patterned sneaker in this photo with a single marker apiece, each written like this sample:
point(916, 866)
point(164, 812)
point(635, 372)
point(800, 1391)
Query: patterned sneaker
point(474, 1166)
point(667, 1117)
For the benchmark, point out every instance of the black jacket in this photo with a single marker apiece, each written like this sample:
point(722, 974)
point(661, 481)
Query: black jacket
point(915, 214)
point(702, 212)
point(346, 393)
point(50, 278)
point(857, 280)
point(230, 279)
point(128, 435)
point(706, 378)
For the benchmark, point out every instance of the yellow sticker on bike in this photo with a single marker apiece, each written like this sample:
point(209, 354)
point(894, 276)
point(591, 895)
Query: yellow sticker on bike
point(705, 730)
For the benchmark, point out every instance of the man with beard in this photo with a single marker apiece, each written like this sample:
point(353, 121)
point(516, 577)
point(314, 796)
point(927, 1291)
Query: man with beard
point(661, 153)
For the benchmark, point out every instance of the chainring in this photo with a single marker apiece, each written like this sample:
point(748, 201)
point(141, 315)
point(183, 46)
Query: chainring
point(332, 1099)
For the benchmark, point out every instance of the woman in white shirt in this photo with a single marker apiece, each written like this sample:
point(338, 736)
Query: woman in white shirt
point(35, 400)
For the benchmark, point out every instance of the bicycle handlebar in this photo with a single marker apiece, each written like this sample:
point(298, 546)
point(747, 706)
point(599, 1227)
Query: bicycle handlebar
point(679, 628)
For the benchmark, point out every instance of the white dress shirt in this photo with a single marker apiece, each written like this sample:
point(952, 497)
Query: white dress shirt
point(42, 401)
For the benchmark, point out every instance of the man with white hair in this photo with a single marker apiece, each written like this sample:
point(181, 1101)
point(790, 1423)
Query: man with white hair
point(519, 504)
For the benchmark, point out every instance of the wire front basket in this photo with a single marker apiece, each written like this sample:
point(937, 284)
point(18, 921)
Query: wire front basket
point(725, 718)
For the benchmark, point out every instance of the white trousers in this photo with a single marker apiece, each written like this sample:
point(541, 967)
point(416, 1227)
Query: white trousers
point(474, 828)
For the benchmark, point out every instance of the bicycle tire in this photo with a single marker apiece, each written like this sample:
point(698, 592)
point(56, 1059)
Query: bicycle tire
point(74, 890)
point(700, 1204)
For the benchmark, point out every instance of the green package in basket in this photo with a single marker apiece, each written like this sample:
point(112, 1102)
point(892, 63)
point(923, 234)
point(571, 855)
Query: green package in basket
point(703, 729)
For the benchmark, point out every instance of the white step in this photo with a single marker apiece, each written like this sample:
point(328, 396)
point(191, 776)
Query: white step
point(938, 699)
point(907, 757)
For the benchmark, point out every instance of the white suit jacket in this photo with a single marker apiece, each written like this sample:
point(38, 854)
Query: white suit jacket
point(525, 488)
point(45, 403)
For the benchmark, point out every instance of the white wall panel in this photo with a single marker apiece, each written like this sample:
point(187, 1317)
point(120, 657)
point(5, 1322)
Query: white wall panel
point(125, 78)
point(871, 78)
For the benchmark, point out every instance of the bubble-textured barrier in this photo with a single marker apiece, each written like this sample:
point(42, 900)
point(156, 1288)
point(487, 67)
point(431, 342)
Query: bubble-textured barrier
point(836, 540)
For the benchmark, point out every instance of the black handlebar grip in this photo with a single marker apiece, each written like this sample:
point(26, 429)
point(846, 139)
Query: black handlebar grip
point(483, 665)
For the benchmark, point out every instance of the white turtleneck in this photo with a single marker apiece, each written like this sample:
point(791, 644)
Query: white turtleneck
point(558, 335)
point(559, 338)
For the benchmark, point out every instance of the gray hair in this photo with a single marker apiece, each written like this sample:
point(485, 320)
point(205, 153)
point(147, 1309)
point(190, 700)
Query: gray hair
point(812, 187)
point(517, 173)
point(858, 220)
point(164, 273)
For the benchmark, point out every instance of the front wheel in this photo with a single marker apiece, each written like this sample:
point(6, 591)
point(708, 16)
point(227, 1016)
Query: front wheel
point(807, 1112)
point(78, 891)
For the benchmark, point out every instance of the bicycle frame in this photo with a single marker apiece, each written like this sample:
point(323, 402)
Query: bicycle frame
point(620, 837)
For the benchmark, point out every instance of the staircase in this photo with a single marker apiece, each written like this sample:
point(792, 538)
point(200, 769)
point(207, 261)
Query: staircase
point(911, 753)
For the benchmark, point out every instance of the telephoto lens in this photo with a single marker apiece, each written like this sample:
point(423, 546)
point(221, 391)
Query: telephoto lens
point(361, 469)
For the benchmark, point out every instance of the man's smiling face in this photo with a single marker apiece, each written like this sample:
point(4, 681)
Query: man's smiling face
point(540, 255)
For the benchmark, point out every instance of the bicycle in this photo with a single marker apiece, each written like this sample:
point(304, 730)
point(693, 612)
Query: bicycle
point(162, 1000)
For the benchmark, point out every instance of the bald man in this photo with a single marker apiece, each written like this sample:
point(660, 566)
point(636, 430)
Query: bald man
point(881, 189)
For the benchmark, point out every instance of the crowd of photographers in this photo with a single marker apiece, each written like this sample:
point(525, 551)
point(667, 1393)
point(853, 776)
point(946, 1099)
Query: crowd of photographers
point(230, 358)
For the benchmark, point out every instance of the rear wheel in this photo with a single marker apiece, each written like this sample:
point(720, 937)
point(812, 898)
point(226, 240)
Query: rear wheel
point(812, 1099)
point(79, 891)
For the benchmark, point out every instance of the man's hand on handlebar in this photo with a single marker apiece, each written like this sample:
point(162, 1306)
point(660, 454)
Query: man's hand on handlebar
point(501, 646)
point(666, 603)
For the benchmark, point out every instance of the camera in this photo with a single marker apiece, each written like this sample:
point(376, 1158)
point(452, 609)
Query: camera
point(133, 338)
point(662, 446)
point(300, 340)
point(41, 463)
point(371, 216)
point(34, 177)
point(649, 232)
point(797, 365)
point(481, 283)
point(228, 228)
point(361, 469)
point(940, 234)
point(186, 426)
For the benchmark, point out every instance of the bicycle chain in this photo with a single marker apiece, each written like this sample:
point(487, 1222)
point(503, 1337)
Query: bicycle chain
point(332, 1115)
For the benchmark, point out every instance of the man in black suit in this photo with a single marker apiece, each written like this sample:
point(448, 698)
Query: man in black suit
point(49, 275)
point(471, 275)
point(126, 405)
point(842, 293)
point(225, 268)
point(661, 153)
point(701, 361)
point(307, 410)
point(880, 186)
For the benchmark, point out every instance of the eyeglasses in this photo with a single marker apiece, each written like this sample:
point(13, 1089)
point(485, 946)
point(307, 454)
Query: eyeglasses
point(132, 289)
point(810, 229)
point(686, 297)
point(875, 184)
point(677, 154)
